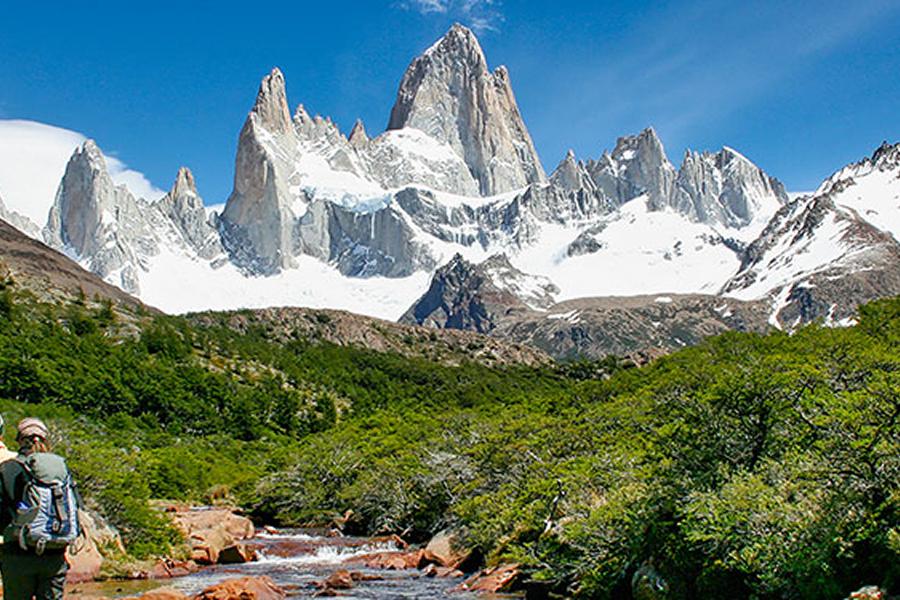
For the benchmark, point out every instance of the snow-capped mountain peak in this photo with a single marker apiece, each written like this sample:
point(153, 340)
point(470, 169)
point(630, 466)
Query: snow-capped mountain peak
point(449, 93)
point(320, 218)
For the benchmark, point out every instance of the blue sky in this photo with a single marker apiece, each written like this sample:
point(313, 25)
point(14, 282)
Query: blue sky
point(800, 87)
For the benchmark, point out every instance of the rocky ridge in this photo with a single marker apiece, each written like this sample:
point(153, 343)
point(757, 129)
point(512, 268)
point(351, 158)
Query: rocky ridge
point(455, 176)
point(116, 235)
point(449, 347)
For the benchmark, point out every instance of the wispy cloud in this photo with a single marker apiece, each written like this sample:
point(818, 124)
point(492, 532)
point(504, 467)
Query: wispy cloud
point(480, 15)
point(682, 82)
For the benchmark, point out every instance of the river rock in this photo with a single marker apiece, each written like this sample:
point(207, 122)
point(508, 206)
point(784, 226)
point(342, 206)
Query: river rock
point(246, 588)
point(211, 531)
point(85, 559)
point(236, 554)
point(434, 570)
point(492, 580)
point(444, 550)
point(339, 580)
point(391, 560)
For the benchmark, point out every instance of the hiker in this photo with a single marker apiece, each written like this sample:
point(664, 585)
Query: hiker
point(38, 517)
point(5, 453)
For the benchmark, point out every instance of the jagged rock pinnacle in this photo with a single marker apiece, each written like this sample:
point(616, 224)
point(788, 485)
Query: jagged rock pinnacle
point(450, 94)
point(271, 103)
point(184, 183)
point(358, 135)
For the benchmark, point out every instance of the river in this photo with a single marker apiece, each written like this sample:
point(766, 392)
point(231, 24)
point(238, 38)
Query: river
point(296, 559)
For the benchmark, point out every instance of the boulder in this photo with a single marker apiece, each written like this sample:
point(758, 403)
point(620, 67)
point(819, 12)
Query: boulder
point(339, 580)
point(246, 588)
point(236, 554)
point(444, 550)
point(211, 531)
point(492, 580)
point(392, 560)
point(85, 557)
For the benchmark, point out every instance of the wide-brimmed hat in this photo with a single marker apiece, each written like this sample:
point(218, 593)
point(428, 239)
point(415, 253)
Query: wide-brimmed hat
point(32, 427)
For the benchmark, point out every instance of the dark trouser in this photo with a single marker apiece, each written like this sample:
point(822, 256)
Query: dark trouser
point(27, 576)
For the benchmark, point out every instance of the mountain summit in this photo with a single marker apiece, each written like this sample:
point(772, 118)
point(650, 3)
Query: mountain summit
point(450, 94)
point(449, 212)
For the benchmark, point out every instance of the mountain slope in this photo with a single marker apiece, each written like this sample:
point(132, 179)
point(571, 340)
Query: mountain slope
point(822, 255)
point(52, 276)
point(362, 222)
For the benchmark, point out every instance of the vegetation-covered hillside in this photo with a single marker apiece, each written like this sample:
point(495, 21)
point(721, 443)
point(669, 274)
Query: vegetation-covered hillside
point(750, 465)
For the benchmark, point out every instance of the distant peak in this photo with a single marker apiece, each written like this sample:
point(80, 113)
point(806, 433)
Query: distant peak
point(301, 115)
point(184, 183)
point(458, 41)
point(499, 260)
point(89, 152)
point(358, 134)
point(627, 147)
point(271, 102)
point(886, 154)
point(90, 148)
point(570, 155)
point(728, 150)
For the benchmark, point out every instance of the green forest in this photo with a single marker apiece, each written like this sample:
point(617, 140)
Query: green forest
point(749, 466)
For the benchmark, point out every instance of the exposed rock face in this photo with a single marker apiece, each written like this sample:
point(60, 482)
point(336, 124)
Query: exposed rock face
point(184, 207)
point(821, 256)
point(467, 296)
point(596, 327)
point(20, 222)
point(92, 219)
point(116, 235)
point(258, 221)
point(450, 94)
point(724, 188)
point(638, 165)
point(50, 275)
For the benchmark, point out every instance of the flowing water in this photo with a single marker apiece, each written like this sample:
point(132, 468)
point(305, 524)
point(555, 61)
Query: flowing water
point(296, 559)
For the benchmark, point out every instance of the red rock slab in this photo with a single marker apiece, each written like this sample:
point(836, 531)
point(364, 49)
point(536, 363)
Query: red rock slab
point(491, 580)
point(392, 560)
point(245, 588)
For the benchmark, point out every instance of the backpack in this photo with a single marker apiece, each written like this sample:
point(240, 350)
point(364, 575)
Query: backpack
point(46, 517)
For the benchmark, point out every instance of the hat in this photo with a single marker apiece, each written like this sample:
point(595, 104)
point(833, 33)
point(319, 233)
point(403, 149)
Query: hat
point(32, 427)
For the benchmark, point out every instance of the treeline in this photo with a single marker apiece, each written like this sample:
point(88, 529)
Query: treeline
point(748, 466)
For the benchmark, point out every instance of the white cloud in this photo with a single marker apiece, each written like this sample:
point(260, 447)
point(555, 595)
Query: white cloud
point(429, 6)
point(480, 15)
point(135, 181)
point(33, 159)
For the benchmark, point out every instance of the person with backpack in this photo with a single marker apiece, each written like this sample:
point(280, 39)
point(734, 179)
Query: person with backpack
point(38, 516)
